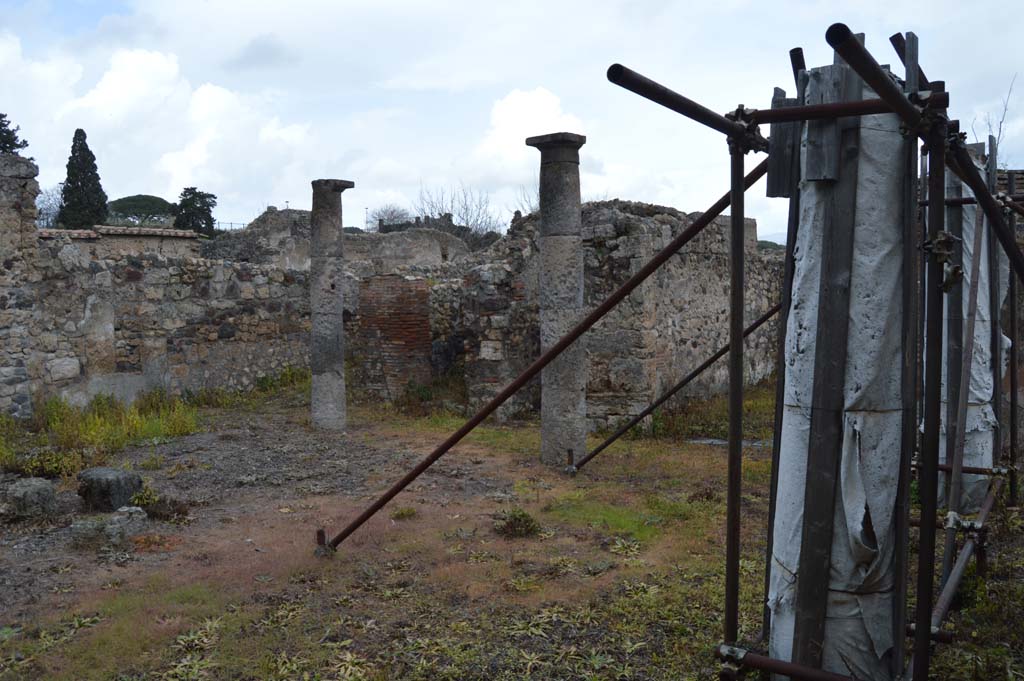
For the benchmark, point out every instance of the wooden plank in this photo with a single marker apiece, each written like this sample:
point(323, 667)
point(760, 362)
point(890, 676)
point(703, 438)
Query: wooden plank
point(824, 85)
point(781, 156)
point(824, 453)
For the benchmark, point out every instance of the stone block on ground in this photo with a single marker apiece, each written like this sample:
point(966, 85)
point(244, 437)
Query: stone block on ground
point(107, 489)
point(30, 498)
point(109, 529)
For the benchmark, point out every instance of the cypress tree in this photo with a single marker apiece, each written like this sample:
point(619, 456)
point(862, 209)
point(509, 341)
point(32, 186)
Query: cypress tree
point(9, 142)
point(85, 202)
point(194, 211)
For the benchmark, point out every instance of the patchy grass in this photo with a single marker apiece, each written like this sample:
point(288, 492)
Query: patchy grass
point(403, 513)
point(990, 624)
point(624, 581)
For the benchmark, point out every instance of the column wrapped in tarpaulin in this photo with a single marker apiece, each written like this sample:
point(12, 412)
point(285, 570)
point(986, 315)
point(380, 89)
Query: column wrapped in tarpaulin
point(859, 618)
point(980, 423)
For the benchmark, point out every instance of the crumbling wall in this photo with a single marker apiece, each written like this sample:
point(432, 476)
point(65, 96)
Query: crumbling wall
point(19, 359)
point(103, 241)
point(77, 322)
point(78, 326)
point(281, 238)
point(649, 341)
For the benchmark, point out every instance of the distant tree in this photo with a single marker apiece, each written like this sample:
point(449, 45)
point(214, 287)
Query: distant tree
point(84, 203)
point(473, 219)
point(390, 213)
point(9, 141)
point(48, 205)
point(194, 211)
point(527, 199)
point(140, 209)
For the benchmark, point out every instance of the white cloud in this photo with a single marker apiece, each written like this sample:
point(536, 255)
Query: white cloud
point(502, 154)
point(397, 92)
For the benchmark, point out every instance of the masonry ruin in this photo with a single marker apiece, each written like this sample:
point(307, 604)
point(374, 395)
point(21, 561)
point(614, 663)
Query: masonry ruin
point(419, 306)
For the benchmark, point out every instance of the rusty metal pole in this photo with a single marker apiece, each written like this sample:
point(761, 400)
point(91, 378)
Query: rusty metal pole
point(1014, 330)
point(929, 475)
point(956, 457)
point(736, 241)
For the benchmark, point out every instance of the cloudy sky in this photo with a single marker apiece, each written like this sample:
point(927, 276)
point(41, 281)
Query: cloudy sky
point(251, 100)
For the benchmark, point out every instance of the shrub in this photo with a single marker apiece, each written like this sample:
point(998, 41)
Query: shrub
point(516, 523)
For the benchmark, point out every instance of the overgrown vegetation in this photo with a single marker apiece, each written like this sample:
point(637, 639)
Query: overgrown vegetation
point(290, 379)
point(709, 417)
point(62, 439)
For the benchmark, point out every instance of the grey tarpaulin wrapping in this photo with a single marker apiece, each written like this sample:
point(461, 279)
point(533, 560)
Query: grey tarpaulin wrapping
point(980, 415)
point(858, 629)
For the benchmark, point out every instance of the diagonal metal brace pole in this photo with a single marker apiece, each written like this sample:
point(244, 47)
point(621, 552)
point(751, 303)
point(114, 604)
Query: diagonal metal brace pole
point(686, 380)
point(534, 369)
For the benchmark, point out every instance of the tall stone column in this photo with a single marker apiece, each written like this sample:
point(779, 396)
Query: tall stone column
point(327, 337)
point(563, 382)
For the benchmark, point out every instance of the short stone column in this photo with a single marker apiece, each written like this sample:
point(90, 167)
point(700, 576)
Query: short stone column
point(563, 400)
point(327, 337)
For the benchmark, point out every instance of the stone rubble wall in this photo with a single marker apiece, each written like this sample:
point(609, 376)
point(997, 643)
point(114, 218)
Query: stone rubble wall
point(19, 364)
point(648, 342)
point(77, 326)
point(281, 238)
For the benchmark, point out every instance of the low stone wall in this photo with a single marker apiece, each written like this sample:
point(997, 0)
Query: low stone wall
point(76, 325)
point(104, 241)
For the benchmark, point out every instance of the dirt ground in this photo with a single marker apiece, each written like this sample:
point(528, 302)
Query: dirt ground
point(623, 580)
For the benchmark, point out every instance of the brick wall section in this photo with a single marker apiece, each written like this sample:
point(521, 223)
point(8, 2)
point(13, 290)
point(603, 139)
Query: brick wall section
point(392, 340)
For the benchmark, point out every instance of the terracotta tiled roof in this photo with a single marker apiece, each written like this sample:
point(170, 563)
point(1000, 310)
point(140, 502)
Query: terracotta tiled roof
point(110, 230)
point(70, 233)
point(146, 231)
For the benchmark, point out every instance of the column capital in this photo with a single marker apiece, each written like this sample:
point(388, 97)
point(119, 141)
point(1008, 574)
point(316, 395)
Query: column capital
point(558, 147)
point(332, 185)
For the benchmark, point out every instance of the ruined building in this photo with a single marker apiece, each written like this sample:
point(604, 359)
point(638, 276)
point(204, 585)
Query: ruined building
point(77, 319)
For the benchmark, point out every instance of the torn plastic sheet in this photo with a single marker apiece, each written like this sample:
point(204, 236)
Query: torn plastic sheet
point(859, 617)
point(981, 422)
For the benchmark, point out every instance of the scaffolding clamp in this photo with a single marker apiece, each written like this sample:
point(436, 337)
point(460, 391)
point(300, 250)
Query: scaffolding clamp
point(752, 139)
point(955, 521)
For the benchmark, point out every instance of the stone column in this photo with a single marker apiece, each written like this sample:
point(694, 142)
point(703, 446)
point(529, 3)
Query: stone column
point(20, 275)
point(327, 337)
point(563, 382)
